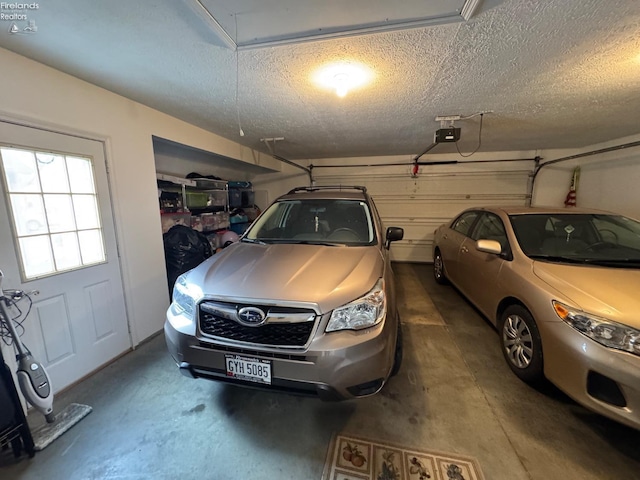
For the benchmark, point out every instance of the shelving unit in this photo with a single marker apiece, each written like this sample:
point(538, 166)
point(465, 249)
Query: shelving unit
point(172, 197)
point(208, 203)
point(241, 197)
point(200, 203)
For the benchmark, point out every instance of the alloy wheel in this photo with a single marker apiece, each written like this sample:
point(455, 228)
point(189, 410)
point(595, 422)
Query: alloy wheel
point(438, 269)
point(517, 341)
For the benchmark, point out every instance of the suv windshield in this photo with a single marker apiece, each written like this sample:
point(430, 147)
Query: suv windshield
point(610, 240)
point(317, 221)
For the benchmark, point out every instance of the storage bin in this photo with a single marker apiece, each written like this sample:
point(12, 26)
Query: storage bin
point(235, 198)
point(197, 199)
point(208, 221)
point(239, 184)
point(209, 183)
point(196, 223)
point(170, 219)
point(239, 228)
point(170, 201)
point(238, 219)
point(222, 219)
point(217, 198)
point(248, 198)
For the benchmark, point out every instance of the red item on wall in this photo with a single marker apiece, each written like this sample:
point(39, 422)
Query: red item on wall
point(571, 199)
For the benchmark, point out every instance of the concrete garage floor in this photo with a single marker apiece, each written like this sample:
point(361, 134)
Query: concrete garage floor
point(454, 394)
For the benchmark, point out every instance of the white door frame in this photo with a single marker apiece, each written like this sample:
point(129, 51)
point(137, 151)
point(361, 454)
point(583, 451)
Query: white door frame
point(29, 122)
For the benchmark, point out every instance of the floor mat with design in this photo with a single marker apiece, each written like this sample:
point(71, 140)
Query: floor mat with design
point(353, 458)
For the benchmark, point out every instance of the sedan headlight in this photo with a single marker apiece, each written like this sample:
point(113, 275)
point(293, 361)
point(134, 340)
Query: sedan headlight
point(362, 313)
point(185, 296)
point(608, 333)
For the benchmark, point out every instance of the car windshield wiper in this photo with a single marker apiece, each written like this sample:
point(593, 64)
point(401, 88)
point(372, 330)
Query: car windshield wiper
point(614, 262)
point(556, 258)
point(253, 240)
point(315, 242)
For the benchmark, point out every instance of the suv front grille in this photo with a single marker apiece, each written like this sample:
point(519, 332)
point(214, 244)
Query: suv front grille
point(270, 334)
point(257, 353)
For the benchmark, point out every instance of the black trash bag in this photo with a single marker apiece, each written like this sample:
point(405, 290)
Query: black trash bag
point(184, 249)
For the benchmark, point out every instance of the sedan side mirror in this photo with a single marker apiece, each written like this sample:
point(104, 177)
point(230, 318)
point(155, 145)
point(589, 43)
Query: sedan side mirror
point(393, 235)
point(489, 246)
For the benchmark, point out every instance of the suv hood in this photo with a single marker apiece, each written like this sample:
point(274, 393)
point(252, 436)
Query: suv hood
point(607, 292)
point(327, 276)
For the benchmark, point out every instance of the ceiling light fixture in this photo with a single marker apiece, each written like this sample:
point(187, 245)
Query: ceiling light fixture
point(341, 82)
point(342, 77)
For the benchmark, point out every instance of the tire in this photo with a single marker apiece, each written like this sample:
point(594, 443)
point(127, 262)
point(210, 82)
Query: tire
point(398, 355)
point(521, 344)
point(438, 269)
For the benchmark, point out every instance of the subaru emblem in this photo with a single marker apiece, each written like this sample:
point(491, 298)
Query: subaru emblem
point(251, 316)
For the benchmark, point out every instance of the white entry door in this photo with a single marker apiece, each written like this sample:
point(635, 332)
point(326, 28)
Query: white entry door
point(58, 237)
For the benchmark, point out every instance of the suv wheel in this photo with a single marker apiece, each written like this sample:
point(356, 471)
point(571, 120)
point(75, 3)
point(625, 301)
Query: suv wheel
point(397, 358)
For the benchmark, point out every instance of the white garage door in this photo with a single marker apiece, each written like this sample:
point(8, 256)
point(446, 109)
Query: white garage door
point(434, 196)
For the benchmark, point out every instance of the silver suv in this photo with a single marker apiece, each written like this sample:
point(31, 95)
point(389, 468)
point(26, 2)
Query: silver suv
point(305, 301)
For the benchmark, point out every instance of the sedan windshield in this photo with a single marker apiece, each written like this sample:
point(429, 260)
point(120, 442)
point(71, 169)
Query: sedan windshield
point(320, 222)
point(610, 240)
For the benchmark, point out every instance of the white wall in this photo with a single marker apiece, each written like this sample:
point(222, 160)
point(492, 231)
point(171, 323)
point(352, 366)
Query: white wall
point(608, 181)
point(272, 185)
point(42, 96)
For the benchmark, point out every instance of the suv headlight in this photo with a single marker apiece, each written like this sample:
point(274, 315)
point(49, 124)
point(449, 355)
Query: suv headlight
point(185, 296)
point(362, 313)
point(606, 332)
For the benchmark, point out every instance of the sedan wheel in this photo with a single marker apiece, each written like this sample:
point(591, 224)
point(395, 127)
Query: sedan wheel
point(438, 268)
point(521, 344)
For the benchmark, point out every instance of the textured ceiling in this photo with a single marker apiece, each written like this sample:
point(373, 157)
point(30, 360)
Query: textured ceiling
point(555, 73)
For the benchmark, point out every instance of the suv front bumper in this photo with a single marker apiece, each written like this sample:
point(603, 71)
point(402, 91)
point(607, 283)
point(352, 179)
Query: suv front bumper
point(335, 366)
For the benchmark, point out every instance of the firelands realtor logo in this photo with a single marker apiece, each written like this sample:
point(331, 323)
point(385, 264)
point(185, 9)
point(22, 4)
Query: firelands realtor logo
point(19, 14)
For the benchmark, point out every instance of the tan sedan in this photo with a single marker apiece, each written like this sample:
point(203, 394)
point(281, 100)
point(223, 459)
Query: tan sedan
point(562, 286)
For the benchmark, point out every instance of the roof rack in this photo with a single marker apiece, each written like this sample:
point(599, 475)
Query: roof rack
point(328, 187)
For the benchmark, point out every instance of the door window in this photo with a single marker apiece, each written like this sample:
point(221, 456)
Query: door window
point(490, 227)
point(464, 222)
point(54, 211)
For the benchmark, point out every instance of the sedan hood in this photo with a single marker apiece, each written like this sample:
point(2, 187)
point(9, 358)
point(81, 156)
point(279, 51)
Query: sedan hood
point(324, 275)
point(607, 292)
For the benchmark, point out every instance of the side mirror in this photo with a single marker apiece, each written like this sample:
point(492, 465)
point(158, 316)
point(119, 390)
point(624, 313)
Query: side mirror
point(393, 235)
point(489, 246)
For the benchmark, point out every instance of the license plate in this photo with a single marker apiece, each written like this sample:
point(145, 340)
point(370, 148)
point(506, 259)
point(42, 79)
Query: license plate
point(249, 369)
